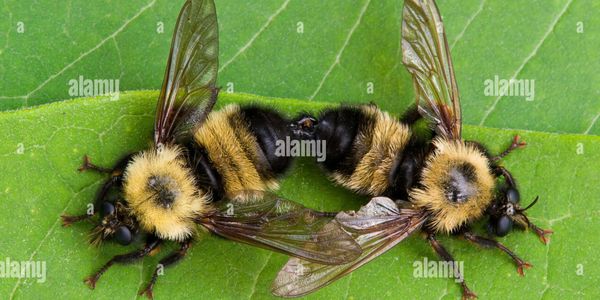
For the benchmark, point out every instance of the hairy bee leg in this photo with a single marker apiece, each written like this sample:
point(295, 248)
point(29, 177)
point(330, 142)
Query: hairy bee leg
point(490, 243)
point(501, 171)
point(88, 165)
point(163, 263)
point(116, 177)
point(441, 252)
point(151, 244)
point(516, 144)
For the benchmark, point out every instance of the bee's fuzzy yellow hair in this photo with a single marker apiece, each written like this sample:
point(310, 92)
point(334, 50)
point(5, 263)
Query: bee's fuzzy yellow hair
point(380, 144)
point(448, 216)
point(173, 223)
point(234, 152)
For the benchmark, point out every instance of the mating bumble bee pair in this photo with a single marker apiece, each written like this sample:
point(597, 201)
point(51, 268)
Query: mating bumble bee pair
point(217, 170)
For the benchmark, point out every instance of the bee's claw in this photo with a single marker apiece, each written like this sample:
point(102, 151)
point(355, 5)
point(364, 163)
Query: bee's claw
point(521, 265)
point(88, 165)
point(517, 143)
point(91, 282)
point(468, 294)
point(543, 234)
point(85, 165)
point(147, 292)
point(68, 220)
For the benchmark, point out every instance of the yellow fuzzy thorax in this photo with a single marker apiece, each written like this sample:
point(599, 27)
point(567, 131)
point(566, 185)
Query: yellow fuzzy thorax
point(176, 221)
point(446, 215)
point(381, 143)
point(234, 152)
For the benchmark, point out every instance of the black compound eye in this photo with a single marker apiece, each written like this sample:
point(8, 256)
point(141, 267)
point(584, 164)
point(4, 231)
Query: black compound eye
point(123, 235)
point(504, 225)
point(107, 209)
point(512, 195)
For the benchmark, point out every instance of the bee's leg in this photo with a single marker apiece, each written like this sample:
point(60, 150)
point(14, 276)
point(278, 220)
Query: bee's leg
point(67, 220)
point(491, 243)
point(151, 244)
point(441, 252)
point(516, 143)
point(501, 171)
point(88, 165)
point(116, 179)
point(163, 263)
point(523, 220)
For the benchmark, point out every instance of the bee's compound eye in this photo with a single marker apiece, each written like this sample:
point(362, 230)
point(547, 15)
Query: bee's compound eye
point(503, 226)
point(107, 209)
point(123, 235)
point(512, 195)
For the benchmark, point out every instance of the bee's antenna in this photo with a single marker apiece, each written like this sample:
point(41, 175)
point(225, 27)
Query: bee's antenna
point(530, 205)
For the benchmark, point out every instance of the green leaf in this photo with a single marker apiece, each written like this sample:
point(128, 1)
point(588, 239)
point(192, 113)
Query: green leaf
point(344, 46)
point(42, 147)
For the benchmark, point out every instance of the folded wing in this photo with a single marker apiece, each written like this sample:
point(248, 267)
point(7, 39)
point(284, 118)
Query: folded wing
point(426, 55)
point(376, 227)
point(274, 223)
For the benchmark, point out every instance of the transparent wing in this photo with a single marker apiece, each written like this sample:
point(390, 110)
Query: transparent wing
point(426, 55)
point(281, 225)
point(376, 227)
point(188, 92)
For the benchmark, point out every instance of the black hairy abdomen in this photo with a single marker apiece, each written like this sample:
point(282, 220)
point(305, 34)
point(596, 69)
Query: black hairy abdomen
point(268, 126)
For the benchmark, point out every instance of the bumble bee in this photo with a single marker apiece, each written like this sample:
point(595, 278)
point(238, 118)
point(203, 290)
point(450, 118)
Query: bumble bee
point(444, 182)
point(204, 169)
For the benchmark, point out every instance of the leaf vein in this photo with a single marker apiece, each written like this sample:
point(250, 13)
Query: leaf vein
point(256, 35)
point(264, 266)
point(594, 120)
point(341, 51)
point(48, 233)
point(83, 55)
point(469, 21)
point(528, 58)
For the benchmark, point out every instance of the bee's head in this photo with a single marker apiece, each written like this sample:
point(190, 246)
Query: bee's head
point(506, 210)
point(115, 224)
point(457, 185)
